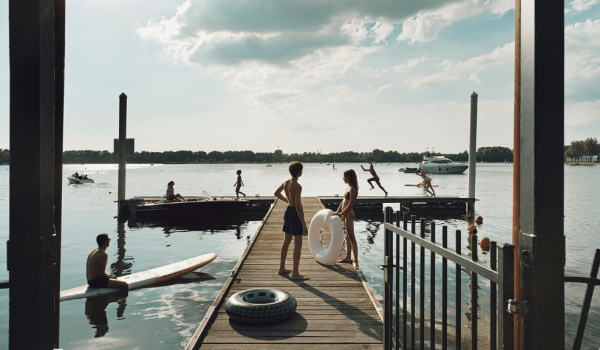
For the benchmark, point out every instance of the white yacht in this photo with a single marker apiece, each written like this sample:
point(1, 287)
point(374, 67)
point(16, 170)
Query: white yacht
point(442, 165)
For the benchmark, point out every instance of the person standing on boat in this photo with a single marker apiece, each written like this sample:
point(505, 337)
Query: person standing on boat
point(346, 212)
point(239, 184)
point(426, 182)
point(171, 196)
point(374, 178)
point(294, 225)
point(96, 264)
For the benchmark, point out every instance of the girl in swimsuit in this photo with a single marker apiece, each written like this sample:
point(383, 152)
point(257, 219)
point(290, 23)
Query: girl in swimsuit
point(426, 182)
point(239, 184)
point(346, 212)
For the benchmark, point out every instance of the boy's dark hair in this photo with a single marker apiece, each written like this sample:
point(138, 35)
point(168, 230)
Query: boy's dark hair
point(101, 238)
point(171, 182)
point(238, 172)
point(295, 168)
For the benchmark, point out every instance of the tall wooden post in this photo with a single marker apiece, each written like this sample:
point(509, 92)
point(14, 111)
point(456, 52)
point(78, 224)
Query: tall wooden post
point(517, 167)
point(32, 245)
point(122, 148)
point(59, 93)
point(472, 151)
point(541, 238)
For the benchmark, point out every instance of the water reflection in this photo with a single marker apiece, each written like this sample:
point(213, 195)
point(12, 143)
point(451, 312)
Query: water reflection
point(95, 311)
point(123, 264)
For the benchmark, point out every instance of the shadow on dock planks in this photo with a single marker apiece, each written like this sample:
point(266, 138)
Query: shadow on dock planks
point(336, 308)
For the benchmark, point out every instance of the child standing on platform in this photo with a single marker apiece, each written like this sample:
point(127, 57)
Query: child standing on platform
point(239, 184)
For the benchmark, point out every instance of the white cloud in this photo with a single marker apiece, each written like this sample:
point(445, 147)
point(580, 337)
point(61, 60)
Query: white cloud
point(426, 25)
point(385, 87)
point(381, 30)
point(582, 5)
point(412, 63)
point(214, 32)
point(454, 70)
point(275, 96)
point(582, 51)
point(582, 113)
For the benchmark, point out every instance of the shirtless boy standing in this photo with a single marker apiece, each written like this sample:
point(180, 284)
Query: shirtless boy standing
point(96, 264)
point(374, 178)
point(294, 225)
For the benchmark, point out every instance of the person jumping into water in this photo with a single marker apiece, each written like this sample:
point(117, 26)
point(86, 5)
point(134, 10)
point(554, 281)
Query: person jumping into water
point(426, 182)
point(294, 225)
point(346, 212)
point(96, 264)
point(239, 184)
point(374, 178)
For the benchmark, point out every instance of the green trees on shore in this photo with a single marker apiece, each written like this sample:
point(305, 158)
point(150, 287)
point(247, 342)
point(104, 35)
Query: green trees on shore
point(485, 154)
point(582, 151)
point(4, 156)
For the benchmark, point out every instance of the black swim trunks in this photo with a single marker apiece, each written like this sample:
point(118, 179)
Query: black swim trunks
point(99, 282)
point(374, 178)
point(291, 222)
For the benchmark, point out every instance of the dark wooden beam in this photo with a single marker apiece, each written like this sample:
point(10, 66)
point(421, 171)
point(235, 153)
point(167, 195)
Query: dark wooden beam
point(541, 238)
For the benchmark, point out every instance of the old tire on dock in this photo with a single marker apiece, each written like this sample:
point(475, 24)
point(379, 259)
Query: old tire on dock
point(260, 305)
point(337, 246)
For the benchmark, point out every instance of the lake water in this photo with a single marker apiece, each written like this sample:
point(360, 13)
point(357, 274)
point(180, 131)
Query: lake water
point(165, 317)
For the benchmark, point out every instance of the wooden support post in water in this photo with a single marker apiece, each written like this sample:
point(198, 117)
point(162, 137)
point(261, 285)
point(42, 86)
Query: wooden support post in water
point(59, 99)
point(32, 246)
point(122, 148)
point(472, 152)
point(541, 238)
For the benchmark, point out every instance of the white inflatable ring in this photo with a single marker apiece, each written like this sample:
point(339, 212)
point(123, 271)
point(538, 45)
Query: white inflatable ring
point(337, 246)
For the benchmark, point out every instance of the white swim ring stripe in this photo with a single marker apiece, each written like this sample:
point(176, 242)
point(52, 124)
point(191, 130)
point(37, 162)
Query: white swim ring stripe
point(337, 246)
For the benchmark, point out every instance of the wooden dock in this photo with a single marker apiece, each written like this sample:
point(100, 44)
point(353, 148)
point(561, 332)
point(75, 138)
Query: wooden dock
point(336, 308)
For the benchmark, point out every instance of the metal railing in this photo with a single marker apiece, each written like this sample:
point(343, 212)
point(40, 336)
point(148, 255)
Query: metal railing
point(591, 282)
point(501, 277)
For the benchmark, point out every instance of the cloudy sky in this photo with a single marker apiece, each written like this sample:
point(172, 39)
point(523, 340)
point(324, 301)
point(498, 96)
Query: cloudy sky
point(334, 75)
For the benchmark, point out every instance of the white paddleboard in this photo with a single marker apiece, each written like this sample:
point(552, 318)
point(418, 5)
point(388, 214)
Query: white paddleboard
point(418, 185)
point(142, 279)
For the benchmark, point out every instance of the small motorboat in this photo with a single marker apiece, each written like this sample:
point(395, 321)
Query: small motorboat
point(79, 179)
point(190, 207)
point(407, 170)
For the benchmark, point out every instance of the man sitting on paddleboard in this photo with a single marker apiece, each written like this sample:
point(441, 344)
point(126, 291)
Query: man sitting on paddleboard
point(96, 264)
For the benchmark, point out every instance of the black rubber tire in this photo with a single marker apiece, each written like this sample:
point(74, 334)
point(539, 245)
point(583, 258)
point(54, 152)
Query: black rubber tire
point(245, 311)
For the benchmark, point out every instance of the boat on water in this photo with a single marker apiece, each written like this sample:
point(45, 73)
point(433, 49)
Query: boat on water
point(190, 207)
point(441, 165)
point(79, 179)
point(407, 170)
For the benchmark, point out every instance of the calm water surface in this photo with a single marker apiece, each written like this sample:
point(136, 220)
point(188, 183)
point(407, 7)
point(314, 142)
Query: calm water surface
point(165, 317)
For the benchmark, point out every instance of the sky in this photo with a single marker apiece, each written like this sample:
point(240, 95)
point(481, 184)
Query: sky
point(333, 76)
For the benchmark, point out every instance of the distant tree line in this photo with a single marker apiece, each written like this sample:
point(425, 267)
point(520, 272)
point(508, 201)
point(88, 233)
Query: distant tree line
point(4, 156)
point(582, 151)
point(484, 154)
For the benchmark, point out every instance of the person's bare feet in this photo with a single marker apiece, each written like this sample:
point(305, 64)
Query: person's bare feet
point(385, 193)
point(345, 260)
point(282, 271)
point(298, 276)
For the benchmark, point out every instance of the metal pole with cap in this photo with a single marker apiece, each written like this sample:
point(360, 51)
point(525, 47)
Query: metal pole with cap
point(473, 150)
point(122, 146)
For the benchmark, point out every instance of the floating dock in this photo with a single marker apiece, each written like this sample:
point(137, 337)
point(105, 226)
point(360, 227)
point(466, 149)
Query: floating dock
point(337, 308)
point(407, 204)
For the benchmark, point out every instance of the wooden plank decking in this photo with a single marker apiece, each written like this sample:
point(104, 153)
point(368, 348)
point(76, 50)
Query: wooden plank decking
point(335, 308)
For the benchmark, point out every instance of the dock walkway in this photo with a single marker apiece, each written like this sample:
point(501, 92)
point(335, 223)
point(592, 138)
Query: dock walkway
point(335, 307)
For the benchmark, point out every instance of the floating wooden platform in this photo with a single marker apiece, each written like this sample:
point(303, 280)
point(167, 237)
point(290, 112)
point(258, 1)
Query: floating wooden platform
point(336, 308)
point(254, 202)
point(407, 204)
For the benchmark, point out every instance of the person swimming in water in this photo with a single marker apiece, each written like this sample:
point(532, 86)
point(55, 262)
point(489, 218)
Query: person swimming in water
point(374, 178)
point(346, 212)
point(426, 182)
point(239, 184)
